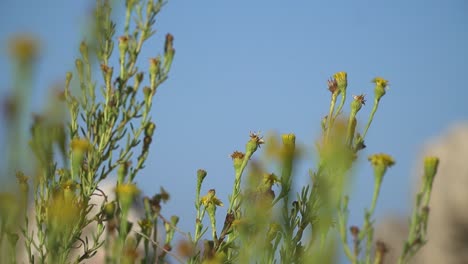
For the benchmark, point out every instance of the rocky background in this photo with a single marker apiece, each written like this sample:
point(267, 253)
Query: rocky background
point(448, 219)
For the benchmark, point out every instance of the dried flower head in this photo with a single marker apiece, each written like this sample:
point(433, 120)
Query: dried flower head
point(237, 155)
point(360, 98)
point(332, 85)
point(354, 231)
point(256, 138)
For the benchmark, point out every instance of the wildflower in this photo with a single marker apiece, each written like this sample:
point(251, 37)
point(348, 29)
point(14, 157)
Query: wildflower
point(289, 142)
point(269, 179)
point(379, 91)
point(341, 79)
point(127, 189)
point(238, 159)
point(255, 142)
point(332, 85)
point(211, 199)
point(380, 82)
point(380, 87)
point(126, 193)
point(24, 48)
point(81, 145)
point(68, 189)
point(380, 162)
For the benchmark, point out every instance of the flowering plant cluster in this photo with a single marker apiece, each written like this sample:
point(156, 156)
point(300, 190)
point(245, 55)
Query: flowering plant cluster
point(108, 130)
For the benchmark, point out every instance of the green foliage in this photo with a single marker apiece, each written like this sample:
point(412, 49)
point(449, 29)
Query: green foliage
point(109, 130)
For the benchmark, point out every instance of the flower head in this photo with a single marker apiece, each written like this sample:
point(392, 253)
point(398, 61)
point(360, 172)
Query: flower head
point(357, 104)
point(82, 145)
point(237, 159)
point(256, 138)
point(24, 48)
point(332, 85)
point(381, 159)
point(380, 87)
point(341, 79)
point(380, 162)
point(211, 199)
point(379, 81)
point(255, 141)
point(269, 179)
point(126, 193)
point(360, 98)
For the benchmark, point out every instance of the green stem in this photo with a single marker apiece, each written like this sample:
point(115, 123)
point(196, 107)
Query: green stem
point(375, 196)
point(340, 107)
point(330, 115)
point(371, 117)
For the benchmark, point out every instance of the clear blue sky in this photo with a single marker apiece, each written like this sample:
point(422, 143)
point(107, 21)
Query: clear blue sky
point(245, 65)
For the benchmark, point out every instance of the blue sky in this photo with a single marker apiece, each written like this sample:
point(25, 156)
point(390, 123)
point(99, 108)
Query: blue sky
point(245, 66)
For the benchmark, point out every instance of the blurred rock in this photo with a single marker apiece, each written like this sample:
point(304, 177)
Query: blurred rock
point(107, 186)
point(448, 219)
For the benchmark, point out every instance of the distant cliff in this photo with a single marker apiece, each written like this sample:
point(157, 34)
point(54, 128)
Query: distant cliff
point(448, 220)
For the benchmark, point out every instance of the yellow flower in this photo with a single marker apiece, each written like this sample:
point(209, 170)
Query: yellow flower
point(211, 199)
point(127, 189)
point(379, 81)
point(24, 48)
point(381, 159)
point(269, 179)
point(341, 78)
point(80, 144)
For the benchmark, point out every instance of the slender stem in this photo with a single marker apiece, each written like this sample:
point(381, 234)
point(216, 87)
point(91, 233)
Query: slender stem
point(371, 117)
point(330, 115)
point(375, 196)
point(340, 106)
